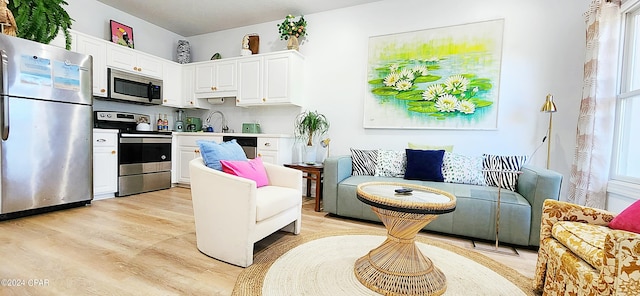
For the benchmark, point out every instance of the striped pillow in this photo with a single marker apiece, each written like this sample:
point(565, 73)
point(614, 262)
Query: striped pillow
point(508, 166)
point(363, 162)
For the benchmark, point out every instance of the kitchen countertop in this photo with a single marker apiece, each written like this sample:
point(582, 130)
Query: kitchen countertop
point(195, 134)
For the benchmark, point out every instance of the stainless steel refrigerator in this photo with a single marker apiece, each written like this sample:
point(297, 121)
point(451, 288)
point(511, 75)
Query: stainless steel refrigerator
point(46, 128)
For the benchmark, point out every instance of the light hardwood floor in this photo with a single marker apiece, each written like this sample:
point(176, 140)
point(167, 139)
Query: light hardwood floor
point(143, 245)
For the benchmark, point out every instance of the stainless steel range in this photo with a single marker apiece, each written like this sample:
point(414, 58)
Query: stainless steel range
point(144, 160)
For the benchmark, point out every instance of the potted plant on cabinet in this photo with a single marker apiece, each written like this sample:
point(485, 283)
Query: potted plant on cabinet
point(291, 30)
point(309, 126)
point(41, 20)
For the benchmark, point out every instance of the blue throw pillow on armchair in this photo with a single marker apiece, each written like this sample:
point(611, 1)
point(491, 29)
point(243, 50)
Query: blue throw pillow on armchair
point(424, 165)
point(212, 152)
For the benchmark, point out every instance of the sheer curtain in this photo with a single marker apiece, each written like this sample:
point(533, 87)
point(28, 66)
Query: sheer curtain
point(594, 139)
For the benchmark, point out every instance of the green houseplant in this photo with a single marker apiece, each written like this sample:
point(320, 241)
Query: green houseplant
point(310, 125)
point(291, 30)
point(41, 20)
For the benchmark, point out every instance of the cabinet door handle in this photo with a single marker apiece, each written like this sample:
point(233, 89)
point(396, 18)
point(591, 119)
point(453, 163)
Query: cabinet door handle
point(214, 88)
point(139, 69)
point(101, 140)
point(260, 154)
point(165, 100)
point(135, 68)
point(196, 151)
point(103, 90)
point(113, 152)
point(264, 99)
point(238, 101)
point(267, 144)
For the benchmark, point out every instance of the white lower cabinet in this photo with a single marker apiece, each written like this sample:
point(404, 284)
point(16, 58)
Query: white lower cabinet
point(105, 163)
point(188, 150)
point(275, 150)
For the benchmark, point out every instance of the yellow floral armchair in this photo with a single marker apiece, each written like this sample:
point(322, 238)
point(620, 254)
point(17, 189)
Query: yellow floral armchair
point(580, 255)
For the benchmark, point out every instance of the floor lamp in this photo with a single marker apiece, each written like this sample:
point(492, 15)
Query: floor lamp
point(549, 107)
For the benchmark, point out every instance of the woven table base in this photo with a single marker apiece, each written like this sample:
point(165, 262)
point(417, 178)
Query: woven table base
point(430, 282)
point(397, 267)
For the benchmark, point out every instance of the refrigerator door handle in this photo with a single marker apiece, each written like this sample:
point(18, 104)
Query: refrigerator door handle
point(4, 113)
point(4, 99)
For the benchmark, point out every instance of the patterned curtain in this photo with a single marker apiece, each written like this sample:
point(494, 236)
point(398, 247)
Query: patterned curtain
point(594, 139)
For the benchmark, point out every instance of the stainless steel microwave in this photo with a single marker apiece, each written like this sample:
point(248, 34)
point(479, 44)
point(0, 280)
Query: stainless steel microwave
point(133, 88)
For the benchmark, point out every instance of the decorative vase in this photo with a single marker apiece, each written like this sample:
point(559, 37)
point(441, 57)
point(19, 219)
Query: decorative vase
point(183, 52)
point(310, 153)
point(293, 43)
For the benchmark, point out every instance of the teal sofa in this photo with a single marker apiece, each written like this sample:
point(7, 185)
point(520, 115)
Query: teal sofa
point(475, 213)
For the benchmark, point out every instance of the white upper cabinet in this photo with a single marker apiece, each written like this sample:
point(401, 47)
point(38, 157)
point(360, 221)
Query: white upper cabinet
point(188, 77)
point(130, 60)
point(216, 79)
point(271, 79)
point(250, 81)
point(96, 48)
point(172, 90)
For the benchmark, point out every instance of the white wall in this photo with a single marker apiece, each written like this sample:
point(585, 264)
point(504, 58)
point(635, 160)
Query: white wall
point(543, 52)
point(92, 17)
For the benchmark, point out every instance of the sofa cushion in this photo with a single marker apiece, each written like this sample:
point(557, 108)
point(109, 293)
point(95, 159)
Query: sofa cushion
point(628, 219)
point(251, 169)
point(462, 169)
point(503, 171)
point(425, 165)
point(363, 162)
point(271, 200)
point(212, 152)
point(391, 163)
point(584, 240)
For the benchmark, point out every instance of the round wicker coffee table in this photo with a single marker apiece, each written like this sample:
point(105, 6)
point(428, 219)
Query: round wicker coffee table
point(397, 267)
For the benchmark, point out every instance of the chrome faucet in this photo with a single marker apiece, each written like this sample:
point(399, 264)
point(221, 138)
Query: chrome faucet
point(223, 124)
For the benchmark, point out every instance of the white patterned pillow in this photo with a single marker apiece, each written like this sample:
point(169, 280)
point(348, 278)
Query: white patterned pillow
point(391, 163)
point(363, 162)
point(462, 169)
point(502, 171)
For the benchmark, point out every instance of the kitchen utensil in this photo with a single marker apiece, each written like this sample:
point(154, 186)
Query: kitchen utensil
point(143, 126)
point(251, 128)
point(196, 122)
point(179, 121)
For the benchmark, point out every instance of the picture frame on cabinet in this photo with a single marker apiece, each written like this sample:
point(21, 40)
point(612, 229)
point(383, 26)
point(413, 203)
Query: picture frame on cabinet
point(121, 34)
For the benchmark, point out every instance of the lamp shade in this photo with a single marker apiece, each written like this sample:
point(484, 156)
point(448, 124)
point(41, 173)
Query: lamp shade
point(549, 106)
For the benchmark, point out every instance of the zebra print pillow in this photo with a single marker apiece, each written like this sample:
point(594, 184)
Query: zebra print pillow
point(363, 162)
point(507, 166)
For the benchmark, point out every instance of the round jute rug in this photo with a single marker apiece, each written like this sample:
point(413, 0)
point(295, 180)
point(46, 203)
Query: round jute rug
point(322, 264)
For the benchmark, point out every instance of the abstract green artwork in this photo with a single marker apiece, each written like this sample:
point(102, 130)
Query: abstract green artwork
point(442, 78)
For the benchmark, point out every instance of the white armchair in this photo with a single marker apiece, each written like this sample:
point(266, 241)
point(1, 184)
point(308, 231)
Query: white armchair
point(231, 214)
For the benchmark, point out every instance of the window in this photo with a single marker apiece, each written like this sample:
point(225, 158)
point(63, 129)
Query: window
point(626, 161)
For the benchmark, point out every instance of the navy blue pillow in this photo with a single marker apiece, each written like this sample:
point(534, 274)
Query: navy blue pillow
point(425, 165)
